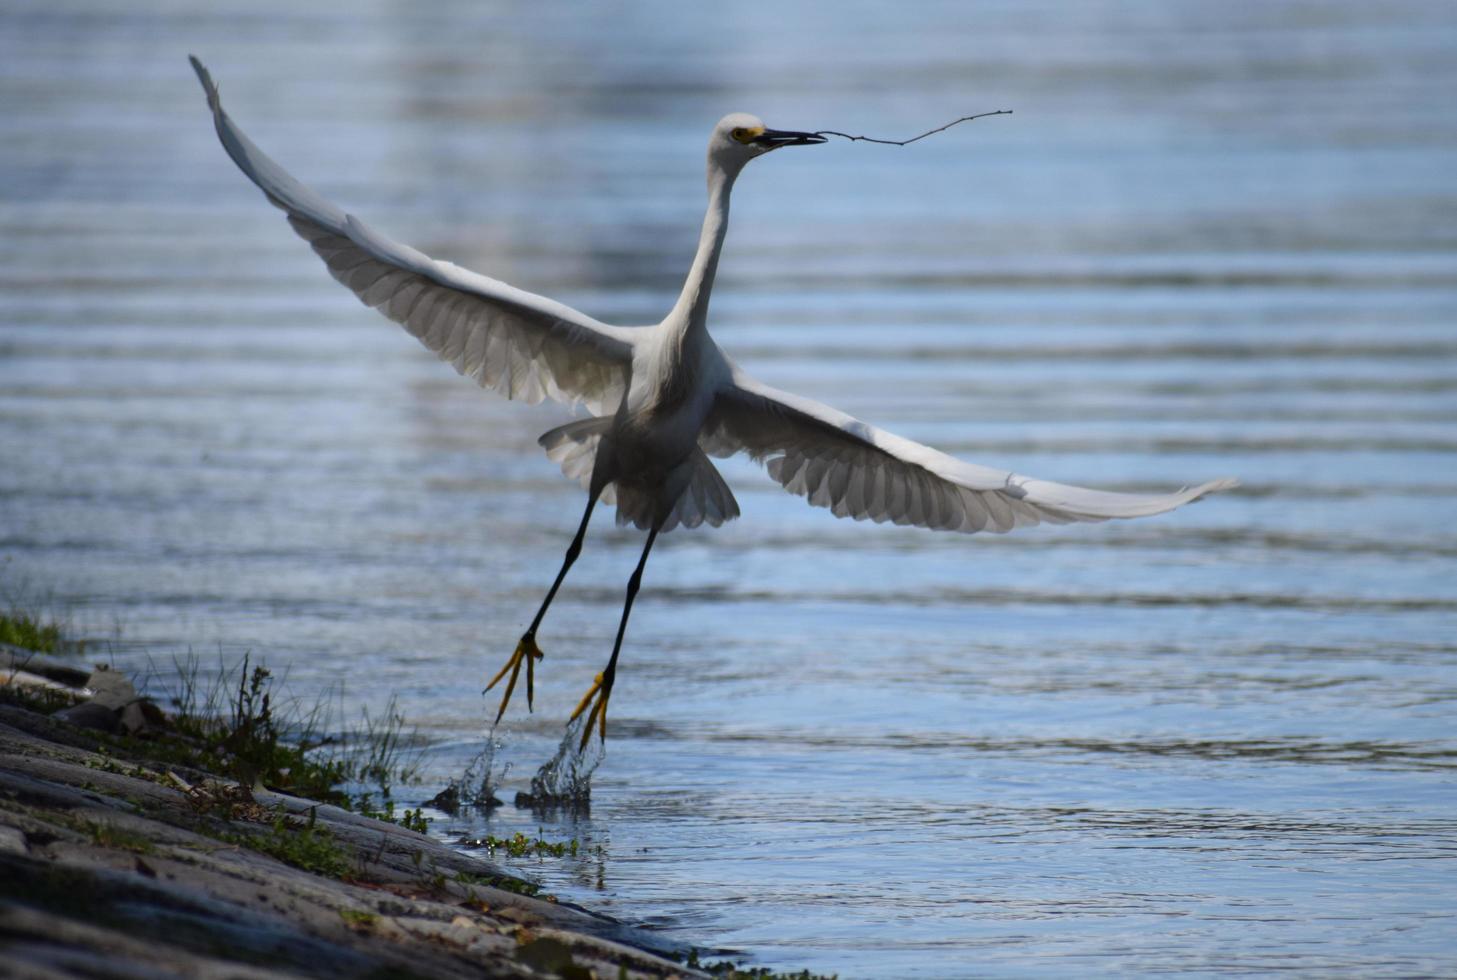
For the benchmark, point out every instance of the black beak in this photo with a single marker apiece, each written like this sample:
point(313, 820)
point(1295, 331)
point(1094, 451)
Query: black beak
point(775, 138)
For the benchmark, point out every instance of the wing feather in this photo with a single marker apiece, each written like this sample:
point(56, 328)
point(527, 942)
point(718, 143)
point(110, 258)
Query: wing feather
point(520, 344)
point(859, 471)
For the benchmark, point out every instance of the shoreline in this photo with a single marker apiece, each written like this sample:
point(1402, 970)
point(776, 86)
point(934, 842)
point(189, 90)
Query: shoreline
point(119, 862)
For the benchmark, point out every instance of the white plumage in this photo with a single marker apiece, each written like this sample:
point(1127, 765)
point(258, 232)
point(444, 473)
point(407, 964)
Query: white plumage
point(664, 397)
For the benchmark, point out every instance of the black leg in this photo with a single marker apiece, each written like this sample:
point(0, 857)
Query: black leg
point(573, 550)
point(602, 686)
point(527, 649)
point(633, 584)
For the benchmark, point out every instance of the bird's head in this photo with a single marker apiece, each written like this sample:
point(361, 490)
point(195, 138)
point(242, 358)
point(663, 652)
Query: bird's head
point(740, 137)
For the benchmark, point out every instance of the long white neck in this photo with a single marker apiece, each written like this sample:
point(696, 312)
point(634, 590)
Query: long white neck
point(691, 310)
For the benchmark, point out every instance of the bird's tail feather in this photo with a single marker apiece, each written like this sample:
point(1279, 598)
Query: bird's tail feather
point(573, 447)
point(706, 498)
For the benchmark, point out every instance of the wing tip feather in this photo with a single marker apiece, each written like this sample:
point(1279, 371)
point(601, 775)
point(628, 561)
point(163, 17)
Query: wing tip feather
point(1213, 486)
point(205, 77)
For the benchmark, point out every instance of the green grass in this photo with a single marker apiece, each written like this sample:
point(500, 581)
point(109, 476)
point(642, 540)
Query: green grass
point(107, 835)
point(513, 885)
point(303, 845)
point(40, 635)
point(358, 919)
point(23, 630)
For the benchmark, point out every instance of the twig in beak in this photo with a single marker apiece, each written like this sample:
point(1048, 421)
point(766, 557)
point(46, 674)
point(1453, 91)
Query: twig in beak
point(932, 132)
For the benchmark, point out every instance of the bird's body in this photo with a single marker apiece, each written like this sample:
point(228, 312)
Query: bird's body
point(663, 398)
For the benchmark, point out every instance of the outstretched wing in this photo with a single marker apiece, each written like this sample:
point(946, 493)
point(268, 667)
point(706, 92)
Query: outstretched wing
point(520, 344)
point(859, 471)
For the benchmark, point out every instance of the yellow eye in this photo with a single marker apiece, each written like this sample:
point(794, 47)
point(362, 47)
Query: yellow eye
point(742, 135)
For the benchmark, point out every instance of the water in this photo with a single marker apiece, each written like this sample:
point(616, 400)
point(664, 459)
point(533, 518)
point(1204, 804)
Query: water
point(1211, 241)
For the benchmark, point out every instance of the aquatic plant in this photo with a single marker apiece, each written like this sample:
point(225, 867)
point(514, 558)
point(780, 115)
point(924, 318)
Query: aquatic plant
point(519, 845)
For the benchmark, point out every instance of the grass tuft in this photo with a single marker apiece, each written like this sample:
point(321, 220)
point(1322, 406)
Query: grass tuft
point(238, 728)
point(233, 729)
point(358, 919)
point(26, 631)
point(108, 835)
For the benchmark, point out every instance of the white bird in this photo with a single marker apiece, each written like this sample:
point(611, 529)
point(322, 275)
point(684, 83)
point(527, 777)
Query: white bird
point(663, 398)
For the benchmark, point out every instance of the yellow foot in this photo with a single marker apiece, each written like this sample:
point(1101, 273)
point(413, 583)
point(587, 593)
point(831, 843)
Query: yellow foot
point(597, 696)
point(527, 651)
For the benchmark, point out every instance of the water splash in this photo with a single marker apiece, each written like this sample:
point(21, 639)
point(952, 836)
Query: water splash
point(477, 785)
point(479, 782)
point(566, 778)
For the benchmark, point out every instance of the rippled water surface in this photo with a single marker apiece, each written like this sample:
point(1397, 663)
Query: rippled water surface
point(1212, 240)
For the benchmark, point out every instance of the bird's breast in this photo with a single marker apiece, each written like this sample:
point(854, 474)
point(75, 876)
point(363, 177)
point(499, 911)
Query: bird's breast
point(659, 433)
point(667, 404)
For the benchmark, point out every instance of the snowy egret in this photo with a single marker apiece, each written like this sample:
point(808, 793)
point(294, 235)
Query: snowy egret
point(662, 398)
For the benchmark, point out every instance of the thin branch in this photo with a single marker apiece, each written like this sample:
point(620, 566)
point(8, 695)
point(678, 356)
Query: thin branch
point(939, 129)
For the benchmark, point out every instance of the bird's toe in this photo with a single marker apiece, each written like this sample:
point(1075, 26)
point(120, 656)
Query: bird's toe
point(597, 696)
point(526, 652)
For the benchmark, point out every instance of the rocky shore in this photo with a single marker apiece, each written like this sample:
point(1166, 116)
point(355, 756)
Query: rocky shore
point(116, 861)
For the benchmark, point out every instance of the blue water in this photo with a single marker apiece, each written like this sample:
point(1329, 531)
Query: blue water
point(1212, 240)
